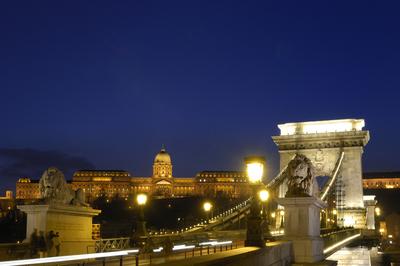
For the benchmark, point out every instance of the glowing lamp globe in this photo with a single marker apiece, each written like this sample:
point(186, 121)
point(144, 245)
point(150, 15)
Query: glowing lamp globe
point(255, 168)
point(378, 211)
point(207, 206)
point(264, 195)
point(141, 199)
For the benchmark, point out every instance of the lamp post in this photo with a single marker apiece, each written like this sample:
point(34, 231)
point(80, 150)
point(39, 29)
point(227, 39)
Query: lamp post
point(264, 195)
point(378, 211)
point(273, 219)
point(141, 231)
point(334, 212)
point(282, 214)
point(254, 233)
point(207, 206)
point(377, 220)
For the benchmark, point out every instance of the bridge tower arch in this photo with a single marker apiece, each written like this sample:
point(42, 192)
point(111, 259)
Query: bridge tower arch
point(335, 148)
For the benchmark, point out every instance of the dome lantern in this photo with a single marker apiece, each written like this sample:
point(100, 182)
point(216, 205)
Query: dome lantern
point(162, 166)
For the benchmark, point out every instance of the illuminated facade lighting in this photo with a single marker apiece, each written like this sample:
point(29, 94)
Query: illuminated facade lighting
point(328, 126)
point(349, 221)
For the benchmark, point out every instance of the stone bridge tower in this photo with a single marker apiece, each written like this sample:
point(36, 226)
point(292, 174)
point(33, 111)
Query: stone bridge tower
point(332, 145)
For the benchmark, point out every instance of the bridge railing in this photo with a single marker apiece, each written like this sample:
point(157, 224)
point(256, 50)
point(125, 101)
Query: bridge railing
point(132, 256)
point(217, 219)
point(111, 244)
point(184, 251)
point(336, 239)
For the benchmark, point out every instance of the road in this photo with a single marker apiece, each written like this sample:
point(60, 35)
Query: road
point(154, 259)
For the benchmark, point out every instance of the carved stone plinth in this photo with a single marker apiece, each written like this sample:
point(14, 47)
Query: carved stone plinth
point(74, 224)
point(302, 227)
point(370, 204)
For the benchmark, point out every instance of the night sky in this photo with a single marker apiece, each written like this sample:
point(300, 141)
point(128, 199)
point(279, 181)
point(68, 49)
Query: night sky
point(103, 84)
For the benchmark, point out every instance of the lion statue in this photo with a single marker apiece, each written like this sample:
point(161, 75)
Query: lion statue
point(54, 189)
point(300, 178)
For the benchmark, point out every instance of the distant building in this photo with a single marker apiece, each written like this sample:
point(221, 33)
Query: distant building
point(381, 180)
point(6, 203)
point(393, 226)
point(96, 183)
point(211, 183)
point(162, 183)
point(8, 195)
point(27, 188)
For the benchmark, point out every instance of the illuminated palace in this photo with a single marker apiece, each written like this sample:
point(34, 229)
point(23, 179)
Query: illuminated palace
point(162, 183)
point(109, 183)
point(384, 180)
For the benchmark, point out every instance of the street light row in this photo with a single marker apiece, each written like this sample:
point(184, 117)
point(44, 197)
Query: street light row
point(141, 200)
point(255, 236)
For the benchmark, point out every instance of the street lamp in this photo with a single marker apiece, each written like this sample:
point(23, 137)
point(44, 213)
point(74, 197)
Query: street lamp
point(264, 195)
point(255, 171)
point(378, 220)
point(282, 214)
point(378, 211)
point(334, 212)
point(141, 200)
point(207, 206)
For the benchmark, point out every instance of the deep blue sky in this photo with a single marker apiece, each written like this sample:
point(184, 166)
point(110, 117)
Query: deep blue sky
point(105, 83)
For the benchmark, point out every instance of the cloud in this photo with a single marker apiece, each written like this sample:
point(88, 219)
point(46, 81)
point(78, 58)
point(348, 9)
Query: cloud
point(15, 163)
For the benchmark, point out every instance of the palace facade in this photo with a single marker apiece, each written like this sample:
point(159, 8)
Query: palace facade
point(162, 183)
point(384, 180)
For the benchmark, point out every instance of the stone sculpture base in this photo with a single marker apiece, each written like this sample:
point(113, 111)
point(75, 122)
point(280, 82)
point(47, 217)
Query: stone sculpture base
point(73, 223)
point(302, 227)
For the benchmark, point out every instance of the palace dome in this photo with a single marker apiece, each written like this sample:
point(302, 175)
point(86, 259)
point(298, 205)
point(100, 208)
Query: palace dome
point(162, 157)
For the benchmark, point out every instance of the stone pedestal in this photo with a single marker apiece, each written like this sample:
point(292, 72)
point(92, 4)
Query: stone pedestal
point(302, 227)
point(74, 224)
point(370, 204)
